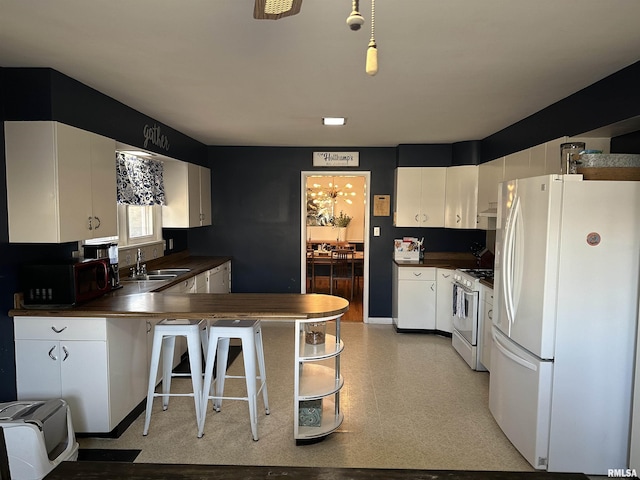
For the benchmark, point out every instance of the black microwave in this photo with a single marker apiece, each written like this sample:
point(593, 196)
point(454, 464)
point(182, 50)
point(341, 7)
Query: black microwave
point(64, 283)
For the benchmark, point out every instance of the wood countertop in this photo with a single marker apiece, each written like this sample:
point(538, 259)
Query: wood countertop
point(263, 306)
point(145, 299)
point(450, 260)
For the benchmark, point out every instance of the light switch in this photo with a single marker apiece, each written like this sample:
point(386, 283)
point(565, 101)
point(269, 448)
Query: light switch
point(376, 231)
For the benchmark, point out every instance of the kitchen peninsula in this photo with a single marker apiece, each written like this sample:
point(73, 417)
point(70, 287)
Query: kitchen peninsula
point(96, 355)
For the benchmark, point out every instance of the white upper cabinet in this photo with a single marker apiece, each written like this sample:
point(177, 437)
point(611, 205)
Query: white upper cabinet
point(61, 183)
point(187, 189)
point(420, 196)
point(490, 174)
point(516, 165)
point(461, 202)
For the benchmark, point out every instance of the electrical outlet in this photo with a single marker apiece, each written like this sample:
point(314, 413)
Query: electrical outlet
point(376, 231)
point(171, 244)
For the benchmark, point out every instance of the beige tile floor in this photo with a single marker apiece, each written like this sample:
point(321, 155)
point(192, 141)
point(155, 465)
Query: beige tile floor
point(409, 401)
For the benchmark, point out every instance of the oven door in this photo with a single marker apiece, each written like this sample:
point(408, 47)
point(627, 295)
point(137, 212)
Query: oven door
point(465, 313)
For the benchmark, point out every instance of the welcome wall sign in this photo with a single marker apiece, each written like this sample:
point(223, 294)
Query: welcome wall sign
point(336, 159)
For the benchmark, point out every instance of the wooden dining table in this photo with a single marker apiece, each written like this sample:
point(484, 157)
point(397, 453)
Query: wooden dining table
point(324, 258)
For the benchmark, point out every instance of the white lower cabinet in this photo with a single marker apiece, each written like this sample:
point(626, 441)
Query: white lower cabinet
point(216, 280)
point(220, 279)
point(485, 333)
point(95, 364)
point(414, 297)
point(444, 300)
point(317, 378)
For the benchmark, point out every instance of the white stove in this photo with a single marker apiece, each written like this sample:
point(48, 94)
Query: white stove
point(466, 319)
point(470, 277)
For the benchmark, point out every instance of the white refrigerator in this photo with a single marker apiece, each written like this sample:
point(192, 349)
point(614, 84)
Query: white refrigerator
point(563, 339)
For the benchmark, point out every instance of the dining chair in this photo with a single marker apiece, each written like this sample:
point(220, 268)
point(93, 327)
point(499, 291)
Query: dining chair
point(311, 269)
point(342, 268)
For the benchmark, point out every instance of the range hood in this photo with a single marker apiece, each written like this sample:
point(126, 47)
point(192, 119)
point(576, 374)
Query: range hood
point(492, 211)
point(489, 212)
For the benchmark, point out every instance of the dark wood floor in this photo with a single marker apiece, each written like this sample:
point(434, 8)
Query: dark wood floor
point(344, 290)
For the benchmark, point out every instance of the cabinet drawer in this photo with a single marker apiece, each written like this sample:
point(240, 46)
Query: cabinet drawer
point(416, 273)
point(60, 328)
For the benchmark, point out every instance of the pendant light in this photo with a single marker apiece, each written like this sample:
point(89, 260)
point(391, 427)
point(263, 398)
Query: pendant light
point(355, 20)
point(372, 51)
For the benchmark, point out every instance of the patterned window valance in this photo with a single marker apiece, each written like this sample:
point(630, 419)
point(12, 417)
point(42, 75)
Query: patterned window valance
point(139, 180)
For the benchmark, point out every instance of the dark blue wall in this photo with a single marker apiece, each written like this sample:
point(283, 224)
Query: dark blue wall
point(256, 215)
point(612, 99)
point(256, 191)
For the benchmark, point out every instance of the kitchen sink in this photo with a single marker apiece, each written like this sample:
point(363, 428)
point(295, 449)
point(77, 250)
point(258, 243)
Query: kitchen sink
point(169, 271)
point(151, 277)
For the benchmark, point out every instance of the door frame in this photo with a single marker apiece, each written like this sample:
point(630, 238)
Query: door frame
point(367, 220)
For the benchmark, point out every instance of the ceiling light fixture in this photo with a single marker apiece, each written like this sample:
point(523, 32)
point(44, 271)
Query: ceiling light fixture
point(355, 20)
point(137, 153)
point(275, 9)
point(372, 51)
point(339, 121)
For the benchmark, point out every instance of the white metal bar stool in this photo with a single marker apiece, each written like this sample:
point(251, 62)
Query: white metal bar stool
point(164, 338)
point(220, 333)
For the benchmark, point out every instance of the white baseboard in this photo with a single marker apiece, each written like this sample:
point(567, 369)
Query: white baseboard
point(379, 320)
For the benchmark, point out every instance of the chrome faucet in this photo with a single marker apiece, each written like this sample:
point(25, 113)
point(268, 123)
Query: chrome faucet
point(140, 268)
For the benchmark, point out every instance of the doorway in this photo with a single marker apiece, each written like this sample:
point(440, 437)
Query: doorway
point(324, 197)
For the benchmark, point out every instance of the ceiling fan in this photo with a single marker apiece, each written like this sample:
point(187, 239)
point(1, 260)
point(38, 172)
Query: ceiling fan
point(275, 9)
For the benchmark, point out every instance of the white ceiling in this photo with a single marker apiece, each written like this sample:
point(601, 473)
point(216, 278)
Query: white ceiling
point(449, 70)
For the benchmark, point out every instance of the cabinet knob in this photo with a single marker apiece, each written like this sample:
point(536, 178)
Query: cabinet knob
point(66, 353)
point(90, 225)
point(58, 330)
point(458, 218)
point(490, 314)
point(51, 355)
point(98, 221)
point(425, 218)
point(416, 217)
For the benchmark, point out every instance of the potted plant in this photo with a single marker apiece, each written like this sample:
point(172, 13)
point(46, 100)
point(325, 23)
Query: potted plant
point(342, 222)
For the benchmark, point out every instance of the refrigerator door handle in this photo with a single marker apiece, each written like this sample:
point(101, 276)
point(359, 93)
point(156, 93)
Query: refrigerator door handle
point(507, 285)
point(512, 356)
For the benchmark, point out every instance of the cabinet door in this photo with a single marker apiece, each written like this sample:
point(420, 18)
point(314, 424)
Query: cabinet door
point(205, 196)
point(38, 369)
point(432, 196)
point(416, 304)
point(490, 174)
point(193, 193)
point(202, 282)
point(103, 187)
point(516, 165)
point(84, 384)
point(219, 279)
point(414, 297)
point(461, 205)
point(408, 196)
point(444, 300)
point(74, 182)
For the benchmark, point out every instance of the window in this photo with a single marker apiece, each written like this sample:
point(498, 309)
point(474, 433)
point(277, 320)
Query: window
point(139, 221)
point(139, 224)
